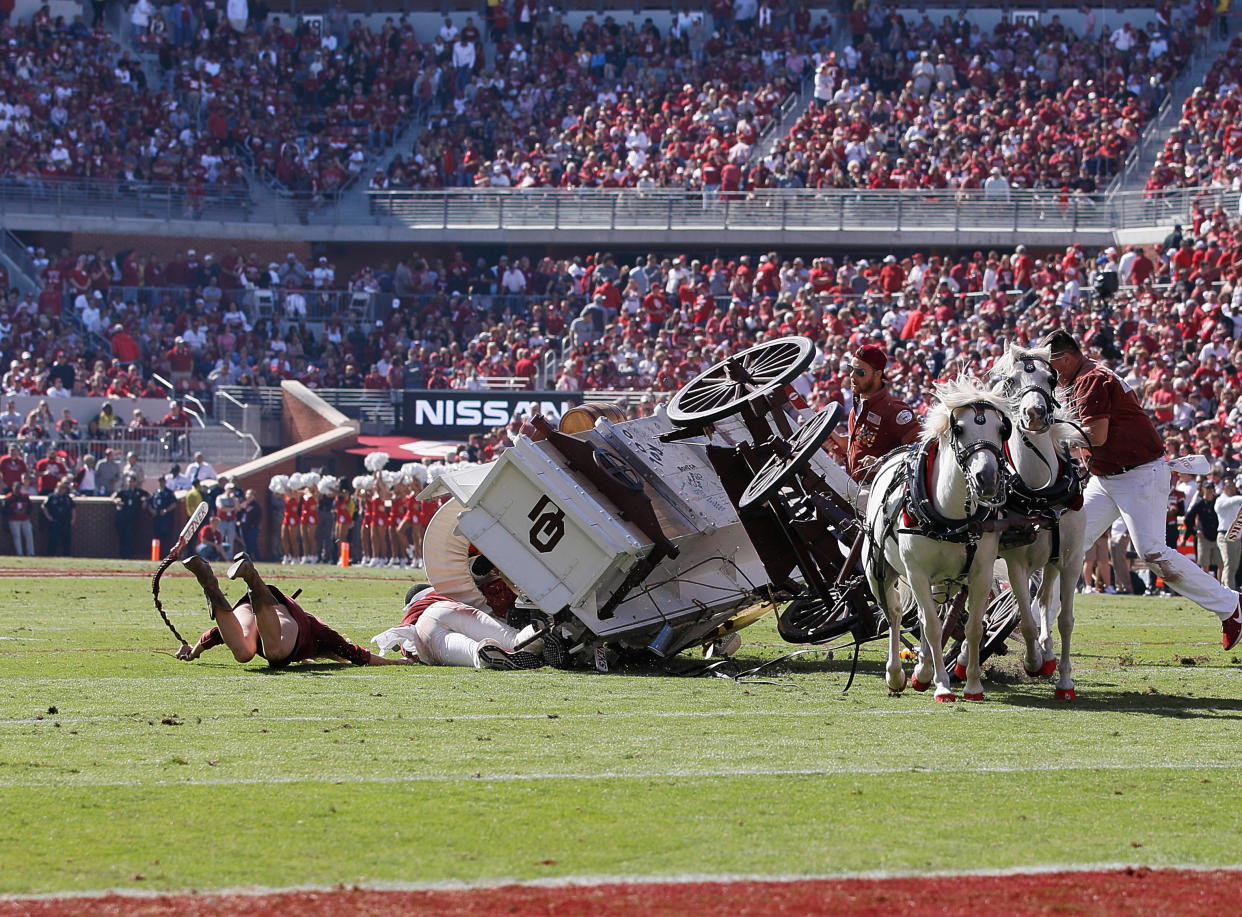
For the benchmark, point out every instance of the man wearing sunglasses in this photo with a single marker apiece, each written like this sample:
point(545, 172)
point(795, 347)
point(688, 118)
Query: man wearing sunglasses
point(878, 422)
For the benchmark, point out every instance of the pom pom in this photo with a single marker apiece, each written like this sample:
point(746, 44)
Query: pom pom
point(295, 481)
point(279, 485)
point(375, 461)
point(329, 486)
point(391, 478)
point(416, 472)
point(311, 479)
point(435, 471)
point(362, 482)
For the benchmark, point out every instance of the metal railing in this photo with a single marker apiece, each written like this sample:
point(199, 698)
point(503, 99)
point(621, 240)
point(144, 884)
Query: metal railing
point(150, 200)
point(802, 210)
point(811, 211)
point(321, 305)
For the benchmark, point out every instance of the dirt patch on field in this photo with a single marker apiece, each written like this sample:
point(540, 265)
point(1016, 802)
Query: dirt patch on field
point(1126, 893)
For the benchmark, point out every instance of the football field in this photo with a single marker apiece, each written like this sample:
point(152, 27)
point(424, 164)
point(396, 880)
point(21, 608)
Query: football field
point(122, 768)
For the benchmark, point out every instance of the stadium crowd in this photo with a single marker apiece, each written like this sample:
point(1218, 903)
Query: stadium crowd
point(1205, 149)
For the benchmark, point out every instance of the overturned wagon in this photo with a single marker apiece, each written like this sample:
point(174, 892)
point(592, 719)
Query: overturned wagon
point(670, 531)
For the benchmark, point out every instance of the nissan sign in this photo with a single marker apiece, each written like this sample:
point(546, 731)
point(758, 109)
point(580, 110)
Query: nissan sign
point(455, 415)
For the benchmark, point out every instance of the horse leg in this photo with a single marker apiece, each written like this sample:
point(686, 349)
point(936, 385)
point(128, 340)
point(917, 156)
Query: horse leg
point(976, 602)
point(1049, 604)
point(924, 667)
point(894, 673)
point(1065, 624)
point(1019, 584)
point(932, 643)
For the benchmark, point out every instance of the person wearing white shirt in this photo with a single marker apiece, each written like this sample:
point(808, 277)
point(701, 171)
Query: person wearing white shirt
point(1125, 267)
point(996, 186)
point(463, 61)
point(448, 31)
point(58, 389)
point(513, 281)
point(200, 469)
point(1227, 506)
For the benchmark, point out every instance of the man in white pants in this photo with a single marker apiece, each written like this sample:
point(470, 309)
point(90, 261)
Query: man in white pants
point(1130, 479)
point(1227, 506)
point(442, 631)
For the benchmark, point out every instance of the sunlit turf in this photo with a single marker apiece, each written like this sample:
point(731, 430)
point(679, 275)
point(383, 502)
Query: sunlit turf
point(121, 767)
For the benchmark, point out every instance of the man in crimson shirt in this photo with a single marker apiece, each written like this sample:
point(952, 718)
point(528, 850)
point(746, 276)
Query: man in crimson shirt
point(878, 421)
point(1130, 478)
point(49, 471)
point(12, 466)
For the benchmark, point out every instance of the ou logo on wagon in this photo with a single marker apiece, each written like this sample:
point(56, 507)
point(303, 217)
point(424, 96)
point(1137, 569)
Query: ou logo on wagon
point(549, 525)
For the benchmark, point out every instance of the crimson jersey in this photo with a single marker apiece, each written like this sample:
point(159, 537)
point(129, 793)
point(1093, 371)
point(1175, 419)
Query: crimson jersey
point(314, 638)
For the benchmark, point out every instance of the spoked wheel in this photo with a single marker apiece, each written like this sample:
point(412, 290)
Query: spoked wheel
point(999, 620)
point(792, 458)
point(724, 388)
point(812, 620)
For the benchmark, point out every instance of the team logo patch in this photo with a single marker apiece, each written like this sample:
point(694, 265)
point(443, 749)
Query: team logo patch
point(904, 417)
point(873, 418)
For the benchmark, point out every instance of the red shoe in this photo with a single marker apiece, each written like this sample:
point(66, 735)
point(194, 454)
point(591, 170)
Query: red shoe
point(1231, 628)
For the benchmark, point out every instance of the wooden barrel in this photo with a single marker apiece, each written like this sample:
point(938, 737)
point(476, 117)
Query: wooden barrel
point(583, 417)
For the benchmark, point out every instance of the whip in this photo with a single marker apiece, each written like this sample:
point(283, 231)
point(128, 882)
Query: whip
point(191, 526)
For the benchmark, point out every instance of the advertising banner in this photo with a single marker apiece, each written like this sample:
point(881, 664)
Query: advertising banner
point(454, 415)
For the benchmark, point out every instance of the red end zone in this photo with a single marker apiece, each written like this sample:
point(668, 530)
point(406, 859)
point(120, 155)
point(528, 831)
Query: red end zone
point(1139, 892)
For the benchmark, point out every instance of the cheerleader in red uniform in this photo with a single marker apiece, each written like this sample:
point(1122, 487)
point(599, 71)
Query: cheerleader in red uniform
point(396, 517)
point(342, 517)
point(374, 517)
point(410, 525)
point(308, 519)
point(378, 525)
point(363, 486)
point(281, 486)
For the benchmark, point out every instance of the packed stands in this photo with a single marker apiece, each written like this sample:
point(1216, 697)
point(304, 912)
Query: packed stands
point(1029, 106)
point(1205, 150)
point(611, 105)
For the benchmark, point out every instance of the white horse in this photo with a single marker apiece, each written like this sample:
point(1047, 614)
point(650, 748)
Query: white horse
point(924, 526)
point(1045, 501)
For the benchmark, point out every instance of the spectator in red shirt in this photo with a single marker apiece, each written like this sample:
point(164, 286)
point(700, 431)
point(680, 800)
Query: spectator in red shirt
point(12, 466)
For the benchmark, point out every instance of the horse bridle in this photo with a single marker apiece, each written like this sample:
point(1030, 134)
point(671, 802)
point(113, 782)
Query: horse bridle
point(963, 453)
point(1016, 395)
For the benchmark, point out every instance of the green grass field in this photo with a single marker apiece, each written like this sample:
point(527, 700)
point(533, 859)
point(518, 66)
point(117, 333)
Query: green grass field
point(121, 767)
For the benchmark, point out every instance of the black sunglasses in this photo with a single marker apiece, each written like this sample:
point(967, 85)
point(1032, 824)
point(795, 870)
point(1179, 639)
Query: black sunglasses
point(857, 371)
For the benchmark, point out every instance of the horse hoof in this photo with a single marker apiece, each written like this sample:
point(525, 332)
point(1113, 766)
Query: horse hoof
point(1066, 694)
point(946, 698)
point(919, 685)
point(966, 695)
point(892, 693)
point(1049, 667)
point(959, 672)
point(1035, 674)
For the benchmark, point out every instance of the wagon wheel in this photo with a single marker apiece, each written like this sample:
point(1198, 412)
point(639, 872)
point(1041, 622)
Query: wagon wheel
point(999, 620)
point(812, 620)
point(724, 388)
point(791, 459)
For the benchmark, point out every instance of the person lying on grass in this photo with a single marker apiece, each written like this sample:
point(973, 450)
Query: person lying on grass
point(268, 623)
point(438, 630)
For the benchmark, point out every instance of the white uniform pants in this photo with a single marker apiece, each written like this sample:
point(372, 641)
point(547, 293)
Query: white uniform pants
point(1141, 498)
point(449, 633)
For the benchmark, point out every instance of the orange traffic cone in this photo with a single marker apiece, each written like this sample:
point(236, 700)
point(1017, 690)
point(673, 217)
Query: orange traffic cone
point(344, 554)
point(155, 550)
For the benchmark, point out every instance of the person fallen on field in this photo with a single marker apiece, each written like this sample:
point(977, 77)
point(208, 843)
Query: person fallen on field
point(267, 623)
point(438, 630)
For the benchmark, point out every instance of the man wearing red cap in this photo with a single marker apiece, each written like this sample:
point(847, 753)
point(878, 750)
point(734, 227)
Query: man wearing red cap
point(879, 423)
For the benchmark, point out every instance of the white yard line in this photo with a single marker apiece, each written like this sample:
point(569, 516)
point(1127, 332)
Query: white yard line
point(66, 782)
point(985, 709)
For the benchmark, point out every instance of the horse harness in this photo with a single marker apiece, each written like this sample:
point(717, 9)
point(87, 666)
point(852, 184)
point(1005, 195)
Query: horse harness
point(1029, 510)
point(917, 512)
